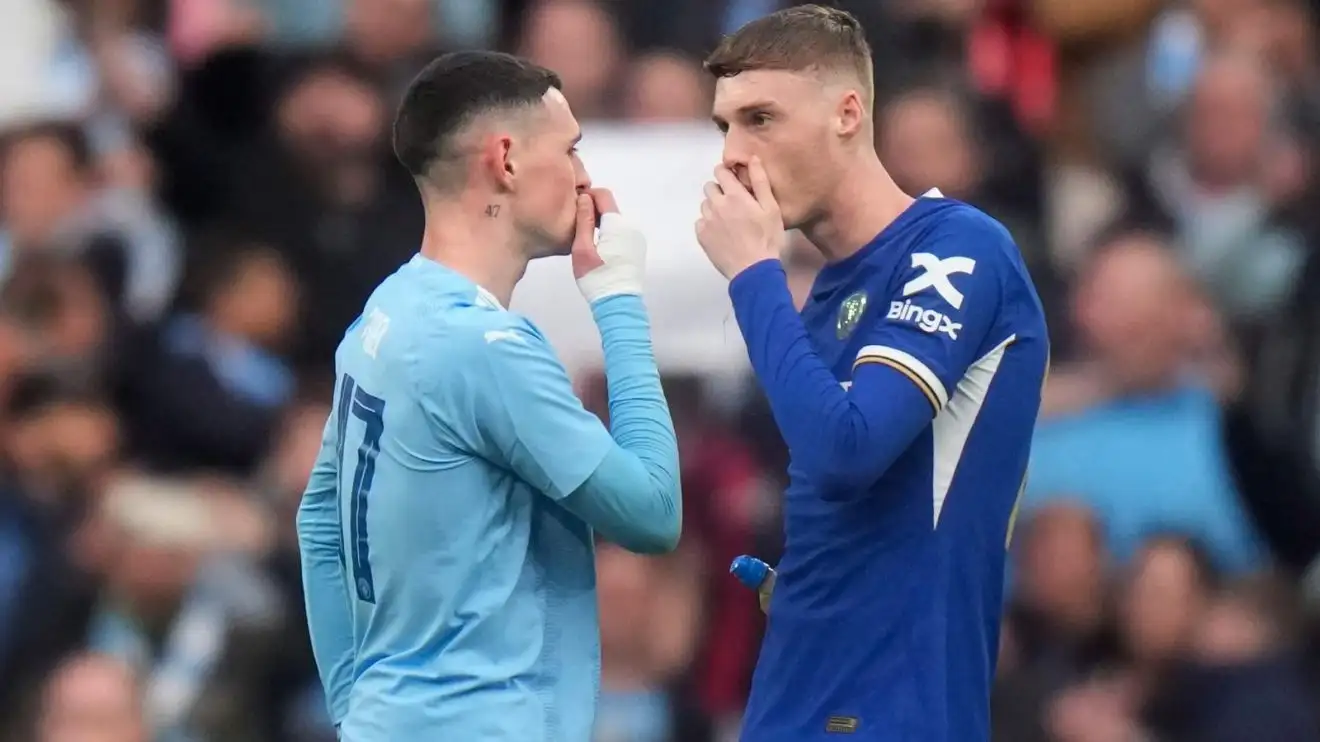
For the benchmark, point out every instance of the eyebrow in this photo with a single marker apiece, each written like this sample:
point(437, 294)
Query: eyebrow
point(745, 109)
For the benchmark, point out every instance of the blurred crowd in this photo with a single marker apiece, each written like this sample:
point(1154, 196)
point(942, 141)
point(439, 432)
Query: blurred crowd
point(196, 197)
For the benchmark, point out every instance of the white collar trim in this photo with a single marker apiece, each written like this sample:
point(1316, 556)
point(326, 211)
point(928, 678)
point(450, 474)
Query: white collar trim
point(487, 299)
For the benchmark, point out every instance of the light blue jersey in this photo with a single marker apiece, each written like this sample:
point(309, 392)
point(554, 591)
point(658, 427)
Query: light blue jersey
point(447, 527)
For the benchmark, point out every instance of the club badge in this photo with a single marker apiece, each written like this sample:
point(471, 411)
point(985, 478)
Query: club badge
point(850, 313)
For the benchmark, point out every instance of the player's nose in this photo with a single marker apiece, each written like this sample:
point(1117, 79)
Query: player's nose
point(735, 155)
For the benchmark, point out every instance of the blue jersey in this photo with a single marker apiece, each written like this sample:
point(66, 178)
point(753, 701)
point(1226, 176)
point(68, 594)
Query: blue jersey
point(470, 588)
point(907, 391)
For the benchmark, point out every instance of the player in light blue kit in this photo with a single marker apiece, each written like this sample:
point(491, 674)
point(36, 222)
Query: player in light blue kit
point(447, 529)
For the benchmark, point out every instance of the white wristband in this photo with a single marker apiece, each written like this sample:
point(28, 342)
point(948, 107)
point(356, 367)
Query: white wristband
point(622, 249)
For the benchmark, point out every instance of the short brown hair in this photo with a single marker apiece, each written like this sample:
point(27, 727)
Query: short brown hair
point(796, 39)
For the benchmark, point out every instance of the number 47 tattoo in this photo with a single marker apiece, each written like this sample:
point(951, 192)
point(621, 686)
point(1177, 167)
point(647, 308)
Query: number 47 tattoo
point(493, 210)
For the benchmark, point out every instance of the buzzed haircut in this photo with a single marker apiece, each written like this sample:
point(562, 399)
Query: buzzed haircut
point(797, 39)
point(453, 90)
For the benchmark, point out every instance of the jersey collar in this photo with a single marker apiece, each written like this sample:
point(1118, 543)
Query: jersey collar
point(487, 299)
point(483, 297)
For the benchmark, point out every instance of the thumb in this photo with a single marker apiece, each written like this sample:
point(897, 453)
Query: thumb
point(761, 185)
point(604, 200)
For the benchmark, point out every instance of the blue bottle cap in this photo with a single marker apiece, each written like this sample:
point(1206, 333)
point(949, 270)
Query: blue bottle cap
point(750, 571)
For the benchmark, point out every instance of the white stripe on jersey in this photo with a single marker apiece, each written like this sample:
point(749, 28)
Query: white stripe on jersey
point(953, 424)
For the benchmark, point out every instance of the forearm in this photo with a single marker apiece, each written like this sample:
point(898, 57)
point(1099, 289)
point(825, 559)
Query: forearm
point(628, 505)
point(838, 435)
point(639, 415)
point(328, 619)
point(634, 497)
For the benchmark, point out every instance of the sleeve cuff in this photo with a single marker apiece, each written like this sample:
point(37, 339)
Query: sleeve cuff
point(767, 273)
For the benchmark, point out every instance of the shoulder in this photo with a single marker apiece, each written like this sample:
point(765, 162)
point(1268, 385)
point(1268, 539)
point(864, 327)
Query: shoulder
point(469, 346)
point(949, 247)
point(961, 240)
point(958, 230)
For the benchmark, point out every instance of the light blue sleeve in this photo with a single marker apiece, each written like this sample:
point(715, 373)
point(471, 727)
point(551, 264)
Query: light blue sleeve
point(528, 418)
point(634, 497)
point(321, 548)
point(525, 415)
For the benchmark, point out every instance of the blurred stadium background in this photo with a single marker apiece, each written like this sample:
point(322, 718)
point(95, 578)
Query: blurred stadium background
point(196, 196)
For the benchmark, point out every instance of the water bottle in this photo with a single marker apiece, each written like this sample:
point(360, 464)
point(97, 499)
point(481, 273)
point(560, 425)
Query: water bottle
point(756, 575)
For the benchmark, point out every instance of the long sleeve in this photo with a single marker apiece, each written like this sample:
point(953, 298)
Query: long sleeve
point(320, 544)
point(841, 437)
point(527, 418)
point(845, 437)
point(633, 497)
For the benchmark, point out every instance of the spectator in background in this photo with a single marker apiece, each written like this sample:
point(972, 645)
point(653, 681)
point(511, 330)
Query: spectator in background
point(53, 198)
point(92, 698)
point(324, 191)
point(1061, 575)
point(1132, 430)
point(918, 39)
point(1160, 605)
point(58, 449)
point(392, 39)
point(935, 137)
point(1102, 709)
point(580, 41)
point(184, 605)
point(68, 327)
point(207, 386)
point(1057, 626)
point(650, 611)
point(928, 139)
point(231, 116)
point(197, 29)
point(1170, 583)
point(108, 71)
point(1088, 43)
point(663, 87)
point(1243, 681)
point(1220, 185)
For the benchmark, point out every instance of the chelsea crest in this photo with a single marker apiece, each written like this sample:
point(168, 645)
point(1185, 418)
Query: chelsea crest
point(850, 312)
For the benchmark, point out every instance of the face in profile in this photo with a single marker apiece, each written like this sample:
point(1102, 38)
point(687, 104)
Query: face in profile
point(784, 118)
point(549, 174)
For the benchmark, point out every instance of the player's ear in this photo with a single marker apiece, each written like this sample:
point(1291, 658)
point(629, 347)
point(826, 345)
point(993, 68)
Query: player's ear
point(499, 160)
point(850, 113)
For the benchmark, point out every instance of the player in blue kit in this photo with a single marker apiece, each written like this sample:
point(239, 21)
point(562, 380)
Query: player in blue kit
point(447, 529)
point(907, 390)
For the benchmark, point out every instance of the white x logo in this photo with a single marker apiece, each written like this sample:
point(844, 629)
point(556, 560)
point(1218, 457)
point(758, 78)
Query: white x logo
point(937, 274)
